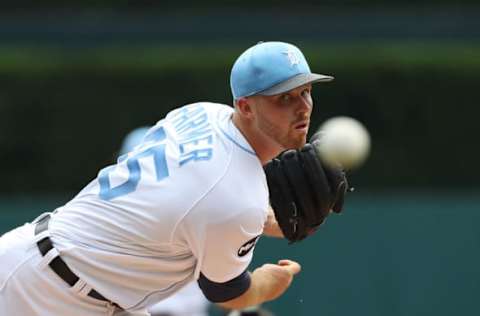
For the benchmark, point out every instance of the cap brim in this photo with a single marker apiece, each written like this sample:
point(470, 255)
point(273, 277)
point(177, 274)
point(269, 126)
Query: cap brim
point(295, 82)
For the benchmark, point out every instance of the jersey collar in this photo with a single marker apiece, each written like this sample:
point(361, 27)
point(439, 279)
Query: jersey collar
point(235, 136)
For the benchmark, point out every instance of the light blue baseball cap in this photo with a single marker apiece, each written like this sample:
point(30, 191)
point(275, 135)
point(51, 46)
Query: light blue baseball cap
point(270, 68)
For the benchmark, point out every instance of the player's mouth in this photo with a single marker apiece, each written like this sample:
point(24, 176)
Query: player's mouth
point(301, 126)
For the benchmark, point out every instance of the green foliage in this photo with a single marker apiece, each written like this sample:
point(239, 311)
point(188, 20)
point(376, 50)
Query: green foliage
point(63, 114)
point(450, 55)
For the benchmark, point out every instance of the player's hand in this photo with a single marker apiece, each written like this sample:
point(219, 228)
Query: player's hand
point(267, 283)
point(277, 277)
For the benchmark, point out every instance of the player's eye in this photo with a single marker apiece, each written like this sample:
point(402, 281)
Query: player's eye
point(286, 98)
point(306, 92)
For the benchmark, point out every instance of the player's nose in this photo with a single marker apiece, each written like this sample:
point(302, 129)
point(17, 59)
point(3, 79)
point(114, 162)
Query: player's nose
point(303, 105)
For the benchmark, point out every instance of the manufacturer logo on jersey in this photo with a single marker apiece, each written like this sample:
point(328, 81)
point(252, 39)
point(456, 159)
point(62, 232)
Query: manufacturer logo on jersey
point(246, 247)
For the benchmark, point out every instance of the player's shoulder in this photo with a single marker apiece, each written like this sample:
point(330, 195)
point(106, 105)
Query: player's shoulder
point(200, 108)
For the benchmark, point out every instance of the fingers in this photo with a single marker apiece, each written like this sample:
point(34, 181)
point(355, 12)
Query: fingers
point(292, 266)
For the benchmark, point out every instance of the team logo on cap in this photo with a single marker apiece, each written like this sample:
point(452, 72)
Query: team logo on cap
point(292, 57)
point(246, 247)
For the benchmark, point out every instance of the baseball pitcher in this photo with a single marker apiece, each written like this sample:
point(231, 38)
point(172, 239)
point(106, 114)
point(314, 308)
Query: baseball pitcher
point(187, 204)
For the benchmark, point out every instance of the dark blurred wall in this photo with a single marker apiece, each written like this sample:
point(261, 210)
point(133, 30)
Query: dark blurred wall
point(57, 129)
point(212, 4)
point(72, 84)
point(386, 254)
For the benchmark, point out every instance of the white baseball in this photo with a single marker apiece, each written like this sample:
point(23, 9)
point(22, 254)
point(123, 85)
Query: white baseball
point(343, 140)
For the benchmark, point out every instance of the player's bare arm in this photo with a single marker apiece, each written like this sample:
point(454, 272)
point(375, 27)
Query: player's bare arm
point(268, 282)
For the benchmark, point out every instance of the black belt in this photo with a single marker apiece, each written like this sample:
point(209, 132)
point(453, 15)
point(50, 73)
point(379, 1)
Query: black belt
point(57, 264)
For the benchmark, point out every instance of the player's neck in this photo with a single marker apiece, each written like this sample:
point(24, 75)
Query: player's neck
point(265, 149)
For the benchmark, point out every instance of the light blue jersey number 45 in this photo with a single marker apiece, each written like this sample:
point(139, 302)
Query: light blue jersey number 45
point(107, 192)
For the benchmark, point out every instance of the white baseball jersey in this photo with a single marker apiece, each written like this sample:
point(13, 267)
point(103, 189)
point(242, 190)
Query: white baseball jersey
point(191, 198)
point(189, 301)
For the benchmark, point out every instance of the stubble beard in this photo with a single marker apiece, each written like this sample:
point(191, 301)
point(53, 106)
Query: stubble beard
point(296, 142)
point(286, 139)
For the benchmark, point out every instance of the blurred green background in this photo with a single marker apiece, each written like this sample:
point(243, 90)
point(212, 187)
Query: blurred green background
point(76, 77)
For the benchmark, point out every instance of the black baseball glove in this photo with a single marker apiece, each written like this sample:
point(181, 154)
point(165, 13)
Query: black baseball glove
point(303, 191)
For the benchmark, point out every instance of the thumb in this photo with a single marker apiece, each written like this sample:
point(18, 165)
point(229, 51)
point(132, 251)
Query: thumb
point(292, 266)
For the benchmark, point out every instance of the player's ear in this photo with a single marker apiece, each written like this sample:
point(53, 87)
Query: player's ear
point(244, 107)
